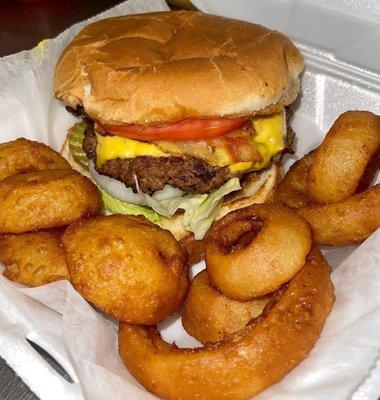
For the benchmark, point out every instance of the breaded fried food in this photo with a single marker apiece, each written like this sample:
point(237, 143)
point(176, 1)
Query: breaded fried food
point(210, 316)
point(33, 259)
point(45, 199)
point(246, 362)
point(292, 189)
point(345, 222)
point(193, 249)
point(128, 267)
point(253, 251)
point(341, 159)
point(22, 155)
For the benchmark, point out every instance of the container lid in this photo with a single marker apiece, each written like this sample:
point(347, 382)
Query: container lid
point(343, 30)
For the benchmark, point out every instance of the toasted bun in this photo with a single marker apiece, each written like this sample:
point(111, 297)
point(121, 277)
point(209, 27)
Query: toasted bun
point(165, 67)
point(254, 191)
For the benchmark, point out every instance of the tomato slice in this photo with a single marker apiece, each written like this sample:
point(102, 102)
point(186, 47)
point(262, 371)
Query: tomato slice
point(187, 129)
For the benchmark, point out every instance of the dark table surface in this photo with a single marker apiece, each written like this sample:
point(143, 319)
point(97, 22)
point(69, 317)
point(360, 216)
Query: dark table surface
point(24, 23)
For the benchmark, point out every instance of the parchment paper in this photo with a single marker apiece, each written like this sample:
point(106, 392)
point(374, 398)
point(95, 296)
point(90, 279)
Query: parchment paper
point(345, 362)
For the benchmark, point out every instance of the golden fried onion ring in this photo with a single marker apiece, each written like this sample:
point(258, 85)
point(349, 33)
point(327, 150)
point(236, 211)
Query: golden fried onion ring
point(345, 222)
point(33, 259)
point(341, 159)
point(210, 316)
point(247, 362)
point(45, 199)
point(193, 249)
point(128, 267)
point(346, 217)
point(292, 189)
point(24, 155)
point(253, 251)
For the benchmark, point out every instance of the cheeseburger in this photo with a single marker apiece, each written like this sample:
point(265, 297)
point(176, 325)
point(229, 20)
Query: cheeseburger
point(183, 113)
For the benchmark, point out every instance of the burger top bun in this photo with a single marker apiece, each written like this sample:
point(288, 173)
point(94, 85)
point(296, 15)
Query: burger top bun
point(164, 67)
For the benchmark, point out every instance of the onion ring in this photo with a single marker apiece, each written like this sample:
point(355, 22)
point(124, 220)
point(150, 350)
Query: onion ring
point(33, 259)
point(24, 155)
point(193, 249)
point(342, 157)
point(209, 316)
point(253, 251)
point(345, 222)
point(128, 267)
point(292, 189)
point(45, 199)
point(236, 368)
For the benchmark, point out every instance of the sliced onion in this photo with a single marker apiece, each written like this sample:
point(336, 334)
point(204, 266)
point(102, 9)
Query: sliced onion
point(117, 189)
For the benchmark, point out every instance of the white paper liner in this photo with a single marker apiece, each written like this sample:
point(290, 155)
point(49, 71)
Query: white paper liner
point(345, 362)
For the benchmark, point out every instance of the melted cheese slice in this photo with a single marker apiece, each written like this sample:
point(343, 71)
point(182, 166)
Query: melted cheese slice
point(269, 137)
point(111, 147)
point(269, 140)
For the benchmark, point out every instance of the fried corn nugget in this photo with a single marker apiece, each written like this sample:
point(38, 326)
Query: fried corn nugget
point(45, 199)
point(128, 267)
point(24, 155)
point(33, 259)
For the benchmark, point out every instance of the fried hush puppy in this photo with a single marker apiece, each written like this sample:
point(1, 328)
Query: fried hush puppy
point(210, 316)
point(33, 259)
point(22, 155)
point(45, 199)
point(126, 266)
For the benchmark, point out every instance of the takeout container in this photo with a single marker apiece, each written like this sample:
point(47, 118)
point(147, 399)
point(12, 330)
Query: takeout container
point(345, 362)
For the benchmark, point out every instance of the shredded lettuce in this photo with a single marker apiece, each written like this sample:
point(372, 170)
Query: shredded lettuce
point(200, 210)
point(114, 205)
point(75, 136)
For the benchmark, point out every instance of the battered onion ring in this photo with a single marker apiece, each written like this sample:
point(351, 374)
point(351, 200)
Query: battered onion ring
point(209, 316)
point(128, 267)
point(247, 362)
point(45, 199)
point(345, 222)
point(253, 251)
point(342, 157)
point(292, 189)
point(33, 259)
point(24, 155)
point(194, 249)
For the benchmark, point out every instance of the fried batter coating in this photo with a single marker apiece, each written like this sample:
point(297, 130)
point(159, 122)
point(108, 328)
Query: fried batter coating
point(345, 222)
point(128, 267)
point(45, 199)
point(23, 155)
point(194, 249)
point(292, 189)
point(210, 316)
point(245, 363)
point(253, 251)
point(342, 157)
point(33, 259)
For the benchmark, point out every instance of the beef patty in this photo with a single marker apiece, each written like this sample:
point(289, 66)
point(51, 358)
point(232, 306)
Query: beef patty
point(190, 174)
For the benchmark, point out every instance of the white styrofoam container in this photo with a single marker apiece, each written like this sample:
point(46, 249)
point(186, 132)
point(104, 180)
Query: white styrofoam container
point(340, 42)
